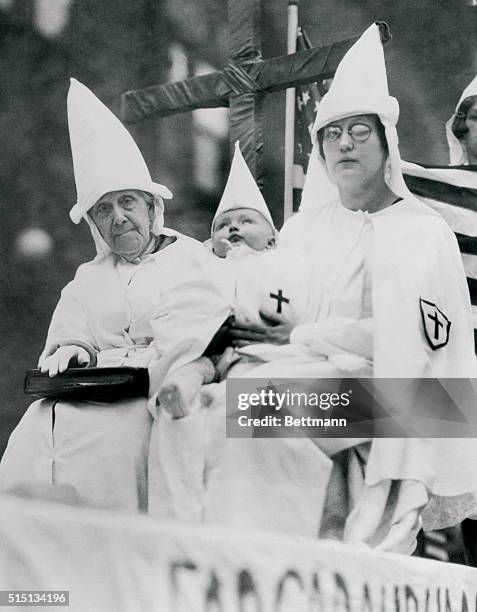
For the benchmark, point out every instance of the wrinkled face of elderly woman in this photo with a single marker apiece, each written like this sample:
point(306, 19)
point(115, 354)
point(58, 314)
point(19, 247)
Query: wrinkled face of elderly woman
point(354, 150)
point(124, 219)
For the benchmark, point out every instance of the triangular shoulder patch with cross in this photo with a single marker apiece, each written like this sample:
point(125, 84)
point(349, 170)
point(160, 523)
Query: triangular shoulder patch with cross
point(436, 324)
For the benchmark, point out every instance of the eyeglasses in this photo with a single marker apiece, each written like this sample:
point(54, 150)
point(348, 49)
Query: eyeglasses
point(359, 132)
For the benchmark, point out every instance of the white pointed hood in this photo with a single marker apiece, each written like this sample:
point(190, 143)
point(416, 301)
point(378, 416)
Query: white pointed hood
point(105, 157)
point(359, 87)
point(241, 190)
point(457, 153)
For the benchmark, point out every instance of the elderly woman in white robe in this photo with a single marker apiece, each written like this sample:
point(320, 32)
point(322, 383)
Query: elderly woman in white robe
point(97, 450)
point(384, 265)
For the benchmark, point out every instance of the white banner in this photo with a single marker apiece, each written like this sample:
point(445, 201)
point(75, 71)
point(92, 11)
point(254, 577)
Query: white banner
point(112, 562)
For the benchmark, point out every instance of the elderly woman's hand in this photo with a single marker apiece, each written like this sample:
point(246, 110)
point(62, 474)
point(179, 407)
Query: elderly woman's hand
point(273, 331)
point(60, 360)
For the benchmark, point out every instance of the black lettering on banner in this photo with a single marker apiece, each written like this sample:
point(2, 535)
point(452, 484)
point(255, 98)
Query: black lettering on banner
point(438, 599)
point(464, 606)
point(341, 595)
point(410, 596)
point(247, 592)
point(316, 604)
point(212, 595)
point(428, 596)
point(383, 598)
point(366, 605)
point(448, 603)
point(289, 575)
point(176, 569)
point(397, 605)
point(448, 606)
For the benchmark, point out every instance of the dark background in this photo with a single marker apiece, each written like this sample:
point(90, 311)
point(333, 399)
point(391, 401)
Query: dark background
point(115, 45)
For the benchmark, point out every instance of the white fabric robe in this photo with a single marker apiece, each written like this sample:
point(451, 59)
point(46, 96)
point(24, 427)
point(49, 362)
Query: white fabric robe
point(186, 321)
point(413, 255)
point(195, 473)
point(101, 449)
point(198, 475)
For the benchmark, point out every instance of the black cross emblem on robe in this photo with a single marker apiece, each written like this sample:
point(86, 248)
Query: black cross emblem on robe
point(241, 85)
point(437, 324)
point(280, 299)
point(437, 335)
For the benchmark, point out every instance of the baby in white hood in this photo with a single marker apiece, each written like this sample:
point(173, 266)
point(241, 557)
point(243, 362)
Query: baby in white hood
point(256, 277)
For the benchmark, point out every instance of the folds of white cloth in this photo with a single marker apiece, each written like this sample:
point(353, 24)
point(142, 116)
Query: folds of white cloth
point(99, 451)
point(197, 474)
point(143, 564)
point(454, 493)
point(451, 192)
point(133, 356)
point(386, 516)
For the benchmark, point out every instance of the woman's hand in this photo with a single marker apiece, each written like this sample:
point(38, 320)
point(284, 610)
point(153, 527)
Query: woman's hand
point(273, 331)
point(60, 360)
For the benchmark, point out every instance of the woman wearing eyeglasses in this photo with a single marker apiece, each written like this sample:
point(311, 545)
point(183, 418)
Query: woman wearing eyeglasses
point(389, 292)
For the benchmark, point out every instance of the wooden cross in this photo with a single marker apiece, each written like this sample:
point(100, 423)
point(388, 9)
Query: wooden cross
point(241, 85)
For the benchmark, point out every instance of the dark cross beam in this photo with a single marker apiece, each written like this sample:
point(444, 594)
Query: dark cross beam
point(437, 324)
point(241, 85)
point(280, 299)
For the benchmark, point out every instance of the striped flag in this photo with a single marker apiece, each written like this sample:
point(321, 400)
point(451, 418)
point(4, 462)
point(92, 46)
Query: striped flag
point(307, 98)
point(432, 545)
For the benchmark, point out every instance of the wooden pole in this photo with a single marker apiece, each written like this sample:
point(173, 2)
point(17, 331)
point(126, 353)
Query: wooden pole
point(292, 12)
point(473, 4)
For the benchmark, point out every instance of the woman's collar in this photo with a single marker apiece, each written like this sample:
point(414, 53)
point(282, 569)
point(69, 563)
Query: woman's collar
point(364, 213)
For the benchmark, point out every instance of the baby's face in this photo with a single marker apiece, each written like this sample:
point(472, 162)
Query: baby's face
point(241, 226)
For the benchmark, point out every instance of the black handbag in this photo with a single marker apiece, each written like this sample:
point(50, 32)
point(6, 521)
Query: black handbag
point(89, 384)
